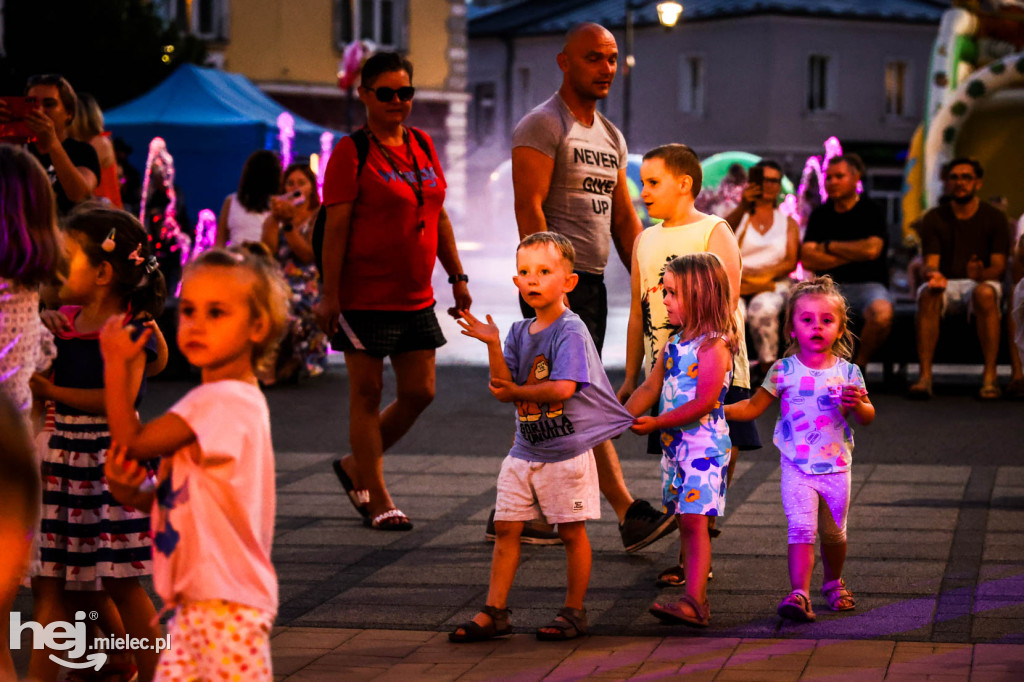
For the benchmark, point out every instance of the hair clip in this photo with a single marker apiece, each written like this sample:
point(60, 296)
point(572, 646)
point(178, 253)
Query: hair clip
point(151, 265)
point(136, 255)
point(108, 244)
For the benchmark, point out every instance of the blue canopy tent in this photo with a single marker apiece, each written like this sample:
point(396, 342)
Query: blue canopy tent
point(211, 121)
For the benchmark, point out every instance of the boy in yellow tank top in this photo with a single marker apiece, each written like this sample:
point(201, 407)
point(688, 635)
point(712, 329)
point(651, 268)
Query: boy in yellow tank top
point(672, 178)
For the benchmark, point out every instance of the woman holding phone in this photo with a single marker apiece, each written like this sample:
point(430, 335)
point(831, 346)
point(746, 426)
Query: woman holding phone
point(287, 232)
point(769, 243)
point(385, 228)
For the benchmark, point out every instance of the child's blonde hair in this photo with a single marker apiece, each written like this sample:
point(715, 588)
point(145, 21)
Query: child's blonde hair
point(270, 294)
point(821, 286)
point(31, 250)
point(561, 244)
point(704, 291)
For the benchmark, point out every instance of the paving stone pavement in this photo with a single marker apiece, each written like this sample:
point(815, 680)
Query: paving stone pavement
point(935, 559)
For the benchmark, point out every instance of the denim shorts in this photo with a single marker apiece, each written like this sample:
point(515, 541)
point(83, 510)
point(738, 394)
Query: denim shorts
point(859, 295)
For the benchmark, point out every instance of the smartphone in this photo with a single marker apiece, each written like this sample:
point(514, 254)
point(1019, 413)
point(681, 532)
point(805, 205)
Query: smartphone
point(755, 175)
point(15, 129)
point(294, 198)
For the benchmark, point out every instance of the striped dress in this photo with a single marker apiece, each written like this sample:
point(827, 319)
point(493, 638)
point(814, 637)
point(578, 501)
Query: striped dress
point(85, 534)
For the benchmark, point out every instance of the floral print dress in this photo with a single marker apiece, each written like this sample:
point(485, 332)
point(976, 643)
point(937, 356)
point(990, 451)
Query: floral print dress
point(303, 352)
point(695, 456)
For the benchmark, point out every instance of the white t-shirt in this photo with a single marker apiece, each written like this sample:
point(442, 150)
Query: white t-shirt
point(244, 226)
point(213, 520)
point(26, 346)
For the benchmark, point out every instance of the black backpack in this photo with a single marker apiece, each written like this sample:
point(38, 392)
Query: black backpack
point(362, 142)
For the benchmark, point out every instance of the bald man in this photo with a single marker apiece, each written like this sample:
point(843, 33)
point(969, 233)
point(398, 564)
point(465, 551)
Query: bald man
point(569, 175)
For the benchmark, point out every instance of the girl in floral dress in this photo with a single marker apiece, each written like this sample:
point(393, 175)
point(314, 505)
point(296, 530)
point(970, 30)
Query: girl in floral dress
point(288, 233)
point(691, 377)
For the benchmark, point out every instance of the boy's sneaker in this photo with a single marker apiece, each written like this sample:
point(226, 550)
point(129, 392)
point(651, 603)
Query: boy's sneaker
point(643, 525)
point(531, 534)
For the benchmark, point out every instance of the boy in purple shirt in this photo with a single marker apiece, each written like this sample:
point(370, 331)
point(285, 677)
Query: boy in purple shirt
point(565, 406)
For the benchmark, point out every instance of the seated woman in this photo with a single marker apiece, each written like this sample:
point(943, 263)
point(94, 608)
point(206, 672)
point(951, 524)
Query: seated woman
point(769, 244)
point(287, 232)
point(242, 215)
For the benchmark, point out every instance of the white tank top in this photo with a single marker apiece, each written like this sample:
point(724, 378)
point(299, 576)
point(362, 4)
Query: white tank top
point(763, 250)
point(244, 226)
point(657, 246)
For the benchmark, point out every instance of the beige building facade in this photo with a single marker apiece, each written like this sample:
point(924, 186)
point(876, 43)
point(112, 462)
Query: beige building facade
point(292, 49)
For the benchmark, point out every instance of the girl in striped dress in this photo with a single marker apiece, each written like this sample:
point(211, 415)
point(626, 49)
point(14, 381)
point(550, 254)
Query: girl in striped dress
point(85, 534)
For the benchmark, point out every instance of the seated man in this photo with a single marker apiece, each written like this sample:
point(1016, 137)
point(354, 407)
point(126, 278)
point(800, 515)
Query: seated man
point(1015, 328)
point(847, 239)
point(965, 243)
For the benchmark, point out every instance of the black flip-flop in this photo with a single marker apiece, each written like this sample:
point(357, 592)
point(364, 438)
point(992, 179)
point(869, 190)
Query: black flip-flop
point(358, 498)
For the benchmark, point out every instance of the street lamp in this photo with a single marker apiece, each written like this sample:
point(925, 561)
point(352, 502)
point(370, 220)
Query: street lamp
point(668, 15)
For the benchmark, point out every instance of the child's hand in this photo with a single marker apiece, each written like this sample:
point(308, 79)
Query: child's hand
point(116, 341)
point(502, 389)
point(488, 333)
point(122, 471)
point(55, 321)
point(41, 387)
point(852, 395)
point(126, 478)
point(644, 425)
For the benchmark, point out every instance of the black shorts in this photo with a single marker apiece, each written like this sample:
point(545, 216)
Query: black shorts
point(589, 300)
point(744, 435)
point(381, 333)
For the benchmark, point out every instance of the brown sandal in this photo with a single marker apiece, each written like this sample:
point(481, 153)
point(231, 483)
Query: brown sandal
point(572, 625)
point(795, 606)
point(474, 632)
point(673, 612)
point(838, 597)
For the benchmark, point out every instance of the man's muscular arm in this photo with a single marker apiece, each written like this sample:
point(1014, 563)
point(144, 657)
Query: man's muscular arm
point(625, 223)
point(531, 180)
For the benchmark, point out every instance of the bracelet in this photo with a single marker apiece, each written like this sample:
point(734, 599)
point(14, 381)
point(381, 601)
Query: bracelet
point(452, 279)
point(826, 246)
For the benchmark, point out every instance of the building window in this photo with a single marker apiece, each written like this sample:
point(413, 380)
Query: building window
point(483, 111)
point(202, 18)
point(819, 77)
point(380, 21)
point(691, 85)
point(896, 88)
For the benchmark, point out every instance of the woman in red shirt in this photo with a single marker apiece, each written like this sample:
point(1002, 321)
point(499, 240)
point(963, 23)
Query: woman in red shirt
point(385, 226)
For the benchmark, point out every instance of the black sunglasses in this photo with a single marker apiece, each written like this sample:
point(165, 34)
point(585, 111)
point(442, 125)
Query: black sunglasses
point(385, 94)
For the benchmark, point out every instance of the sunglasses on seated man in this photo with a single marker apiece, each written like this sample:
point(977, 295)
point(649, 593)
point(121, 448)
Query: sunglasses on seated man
point(385, 94)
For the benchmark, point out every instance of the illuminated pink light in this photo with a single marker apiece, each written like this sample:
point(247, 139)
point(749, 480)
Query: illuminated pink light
point(206, 231)
point(170, 232)
point(286, 134)
point(326, 146)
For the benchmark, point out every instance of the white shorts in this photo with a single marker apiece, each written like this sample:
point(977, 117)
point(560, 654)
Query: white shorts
point(556, 492)
point(958, 295)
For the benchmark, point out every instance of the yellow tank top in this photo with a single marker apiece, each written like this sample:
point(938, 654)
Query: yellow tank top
point(658, 245)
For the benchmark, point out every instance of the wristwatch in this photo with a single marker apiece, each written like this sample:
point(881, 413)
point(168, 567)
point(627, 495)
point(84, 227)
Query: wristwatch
point(452, 279)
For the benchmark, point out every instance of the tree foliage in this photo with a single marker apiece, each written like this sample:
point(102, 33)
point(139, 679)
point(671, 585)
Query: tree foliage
point(114, 49)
